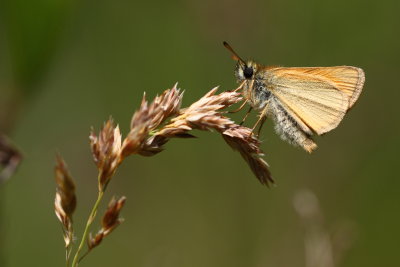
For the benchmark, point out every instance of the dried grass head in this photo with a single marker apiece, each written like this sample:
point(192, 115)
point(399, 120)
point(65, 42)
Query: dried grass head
point(207, 114)
point(10, 158)
point(155, 123)
point(106, 150)
point(110, 221)
point(65, 200)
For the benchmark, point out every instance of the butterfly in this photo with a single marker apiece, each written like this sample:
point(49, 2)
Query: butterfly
point(302, 101)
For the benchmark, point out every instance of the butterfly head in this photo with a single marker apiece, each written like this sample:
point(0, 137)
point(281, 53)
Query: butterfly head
point(244, 70)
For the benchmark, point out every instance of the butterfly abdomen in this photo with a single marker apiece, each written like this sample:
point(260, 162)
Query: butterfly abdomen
point(288, 129)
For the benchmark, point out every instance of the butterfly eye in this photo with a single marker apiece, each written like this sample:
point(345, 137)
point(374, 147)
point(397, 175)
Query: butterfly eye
point(248, 72)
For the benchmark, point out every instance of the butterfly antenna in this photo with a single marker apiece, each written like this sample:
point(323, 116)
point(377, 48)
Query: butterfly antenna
point(235, 55)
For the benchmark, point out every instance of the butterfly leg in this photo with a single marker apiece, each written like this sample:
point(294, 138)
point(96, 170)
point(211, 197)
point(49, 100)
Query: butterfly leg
point(240, 108)
point(245, 116)
point(261, 119)
point(261, 125)
point(240, 86)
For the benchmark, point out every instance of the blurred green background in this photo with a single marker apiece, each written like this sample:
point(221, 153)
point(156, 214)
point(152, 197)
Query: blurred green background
point(68, 65)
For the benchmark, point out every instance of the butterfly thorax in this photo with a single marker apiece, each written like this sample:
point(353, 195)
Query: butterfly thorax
point(256, 80)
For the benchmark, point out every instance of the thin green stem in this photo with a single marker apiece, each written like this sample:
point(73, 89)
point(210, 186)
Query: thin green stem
point(88, 224)
point(69, 247)
point(67, 258)
point(84, 255)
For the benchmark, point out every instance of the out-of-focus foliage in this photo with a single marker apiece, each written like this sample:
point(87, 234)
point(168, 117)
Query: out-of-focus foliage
point(33, 30)
point(68, 65)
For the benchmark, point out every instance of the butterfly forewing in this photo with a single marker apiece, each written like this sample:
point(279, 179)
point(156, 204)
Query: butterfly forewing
point(311, 99)
point(348, 79)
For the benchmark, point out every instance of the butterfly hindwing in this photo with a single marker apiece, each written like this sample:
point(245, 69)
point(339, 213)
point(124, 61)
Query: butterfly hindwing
point(311, 99)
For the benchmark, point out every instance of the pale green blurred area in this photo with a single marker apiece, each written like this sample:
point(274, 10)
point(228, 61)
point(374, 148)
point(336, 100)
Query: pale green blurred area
point(66, 66)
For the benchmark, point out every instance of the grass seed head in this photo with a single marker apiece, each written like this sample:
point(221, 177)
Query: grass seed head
point(65, 200)
point(106, 150)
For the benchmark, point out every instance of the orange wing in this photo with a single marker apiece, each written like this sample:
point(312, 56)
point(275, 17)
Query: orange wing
point(348, 79)
point(311, 99)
